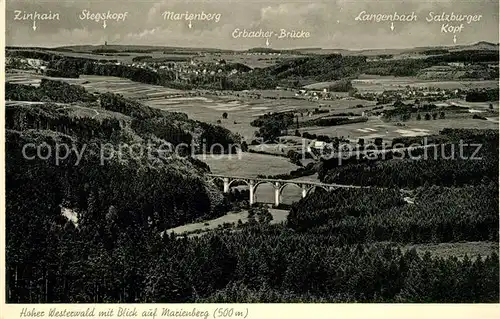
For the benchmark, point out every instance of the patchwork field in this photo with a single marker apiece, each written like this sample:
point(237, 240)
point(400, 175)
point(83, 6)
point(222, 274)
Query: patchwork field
point(31, 78)
point(373, 128)
point(382, 83)
point(242, 109)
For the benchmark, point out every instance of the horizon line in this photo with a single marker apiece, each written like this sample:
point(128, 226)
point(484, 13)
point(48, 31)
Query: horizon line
point(257, 47)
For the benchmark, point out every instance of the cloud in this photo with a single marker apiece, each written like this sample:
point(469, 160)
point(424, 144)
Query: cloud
point(146, 25)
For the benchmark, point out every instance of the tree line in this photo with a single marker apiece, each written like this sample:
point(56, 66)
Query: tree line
point(482, 95)
point(48, 91)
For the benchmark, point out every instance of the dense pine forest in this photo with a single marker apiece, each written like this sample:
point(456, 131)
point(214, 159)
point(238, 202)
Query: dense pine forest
point(341, 246)
point(460, 157)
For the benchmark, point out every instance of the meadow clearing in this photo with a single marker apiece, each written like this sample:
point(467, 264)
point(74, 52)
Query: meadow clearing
point(247, 164)
point(444, 250)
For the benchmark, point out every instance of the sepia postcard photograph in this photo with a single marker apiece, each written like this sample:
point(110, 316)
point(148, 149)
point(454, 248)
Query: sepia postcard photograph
point(239, 153)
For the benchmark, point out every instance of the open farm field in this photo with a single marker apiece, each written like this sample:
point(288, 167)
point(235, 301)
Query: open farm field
point(370, 83)
point(344, 104)
point(243, 110)
point(376, 128)
point(101, 84)
point(209, 109)
point(247, 164)
point(31, 78)
point(434, 126)
point(318, 85)
point(206, 107)
point(126, 87)
point(279, 216)
point(474, 107)
point(369, 130)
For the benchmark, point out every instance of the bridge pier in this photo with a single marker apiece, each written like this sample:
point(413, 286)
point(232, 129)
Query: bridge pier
point(226, 184)
point(277, 193)
point(251, 187)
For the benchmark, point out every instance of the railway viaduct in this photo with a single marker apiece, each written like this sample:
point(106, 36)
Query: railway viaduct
point(278, 185)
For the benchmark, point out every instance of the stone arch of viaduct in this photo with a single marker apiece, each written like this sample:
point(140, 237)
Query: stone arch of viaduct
point(278, 185)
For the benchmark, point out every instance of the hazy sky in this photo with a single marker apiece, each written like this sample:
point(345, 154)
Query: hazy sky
point(330, 22)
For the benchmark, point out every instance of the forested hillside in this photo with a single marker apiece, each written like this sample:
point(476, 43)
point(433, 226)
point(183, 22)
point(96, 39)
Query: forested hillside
point(145, 122)
point(461, 157)
point(434, 215)
point(107, 157)
point(120, 257)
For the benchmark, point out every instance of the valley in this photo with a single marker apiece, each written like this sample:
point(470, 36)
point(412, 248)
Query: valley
point(174, 117)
